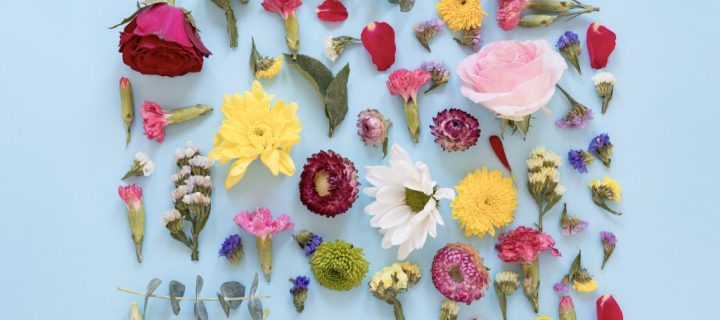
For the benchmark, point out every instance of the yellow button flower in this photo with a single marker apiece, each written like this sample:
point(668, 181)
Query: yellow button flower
point(486, 200)
point(461, 14)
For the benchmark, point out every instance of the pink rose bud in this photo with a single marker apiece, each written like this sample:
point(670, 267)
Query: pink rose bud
point(567, 308)
point(608, 308)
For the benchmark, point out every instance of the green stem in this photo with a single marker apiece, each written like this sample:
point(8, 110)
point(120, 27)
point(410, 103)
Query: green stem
point(185, 114)
point(171, 2)
point(412, 117)
point(397, 310)
point(531, 282)
point(264, 247)
point(606, 103)
point(540, 219)
point(292, 34)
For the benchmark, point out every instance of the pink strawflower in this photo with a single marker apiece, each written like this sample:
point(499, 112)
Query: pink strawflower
point(261, 224)
point(285, 8)
point(154, 121)
point(131, 195)
point(406, 83)
point(524, 245)
point(459, 274)
point(509, 13)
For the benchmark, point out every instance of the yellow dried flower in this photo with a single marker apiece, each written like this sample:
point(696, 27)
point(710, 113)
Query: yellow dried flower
point(543, 317)
point(587, 286)
point(268, 67)
point(461, 14)
point(486, 200)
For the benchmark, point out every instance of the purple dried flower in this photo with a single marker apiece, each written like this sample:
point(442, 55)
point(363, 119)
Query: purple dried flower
point(308, 241)
point(471, 38)
point(232, 249)
point(373, 128)
point(569, 47)
point(561, 288)
point(571, 225)
point(438, 73)
point(568, 38)
point(426, 30)
point(580, 160)
point(328, 184)
point(602, 148)
point(299, 292)
point(608, 240)
point(578, 116)
point(455, 130)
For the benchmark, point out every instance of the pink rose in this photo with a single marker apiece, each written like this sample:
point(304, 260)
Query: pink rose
point(524, 245)
point(512, 78)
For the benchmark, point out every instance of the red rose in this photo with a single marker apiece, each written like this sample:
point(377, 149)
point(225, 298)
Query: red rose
point(161, 40)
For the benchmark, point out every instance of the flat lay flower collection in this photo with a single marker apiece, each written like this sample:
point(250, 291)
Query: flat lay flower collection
point(511, 80)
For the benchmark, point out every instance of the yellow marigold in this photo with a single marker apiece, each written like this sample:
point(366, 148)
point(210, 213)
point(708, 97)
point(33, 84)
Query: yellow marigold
point(486, 200)
point(268, 68)
point(609, 184)
point(252, 129)
point(543, 317)
point(585, 286)
point(461, 14)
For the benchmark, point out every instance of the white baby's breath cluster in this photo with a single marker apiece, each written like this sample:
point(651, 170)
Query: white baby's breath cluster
point(544, 180)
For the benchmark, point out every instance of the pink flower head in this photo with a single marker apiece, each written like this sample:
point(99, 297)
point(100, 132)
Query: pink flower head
point(285, 8)
point(459, 274)
point(154, 121)
point(406, 83)
point(509, 13)
point(261, 223)
point(131, 195)
point(524, 245)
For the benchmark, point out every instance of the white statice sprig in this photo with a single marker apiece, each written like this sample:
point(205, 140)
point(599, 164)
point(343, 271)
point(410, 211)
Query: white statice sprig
point(142, 166)
point(604, 84)
point(334, 47)
point(544, 180)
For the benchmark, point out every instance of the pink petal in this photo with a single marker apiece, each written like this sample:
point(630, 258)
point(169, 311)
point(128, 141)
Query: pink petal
point(378, 38)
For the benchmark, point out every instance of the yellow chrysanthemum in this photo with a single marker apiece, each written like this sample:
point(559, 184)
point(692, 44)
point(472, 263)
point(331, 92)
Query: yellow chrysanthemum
point(461, 14)
point(609, 184)
point(543, 317)
point(253, 129)
point(270, 68)
point(585, 286)
point(486, 200)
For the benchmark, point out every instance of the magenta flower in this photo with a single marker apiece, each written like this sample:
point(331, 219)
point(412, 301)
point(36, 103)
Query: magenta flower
point(459, 274)
point(455, 130)
point(406, 83)
point(261, 224)
point(285, 8)
point(328, 184)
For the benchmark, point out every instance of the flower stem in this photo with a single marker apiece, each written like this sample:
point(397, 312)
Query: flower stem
point(397, 310)
point(156, 296)
point(412, 117)
point(264, 247)
point(292, 34)
point(531, 282)
point(188, 113)
point(171, 2)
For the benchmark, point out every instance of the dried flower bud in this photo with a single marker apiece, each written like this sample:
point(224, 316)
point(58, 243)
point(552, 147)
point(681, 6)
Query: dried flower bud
point(232, 249)
point(299, 292)
point(426, 30)
point(373, 128)
point(127, 106)
point(449, 310)
point(334, 47)
point(135, 312)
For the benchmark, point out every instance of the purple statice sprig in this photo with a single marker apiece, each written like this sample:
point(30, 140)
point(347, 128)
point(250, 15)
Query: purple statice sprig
point(299, 292)
point(570, 224)
point(471, 38)
point(608, 241)
point(426, 30)
point(232, 249)
point(580, 160)
point(561, 287)
point(439, 73)
point(602, 148)
point(569, 46)
point(455, 130)
point(577, 117)
point(308, 241)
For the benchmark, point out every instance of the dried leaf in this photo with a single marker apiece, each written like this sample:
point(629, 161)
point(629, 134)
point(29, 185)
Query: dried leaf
point(200, 311)
point(313, 70)
point(254, 57)
point(233, 289)
point(336, 100)
point(177, 290)
point(576, 266)
point(406, 5)
point(152, 285)
point(230, 19)
point(198, 285)
point(224, 304)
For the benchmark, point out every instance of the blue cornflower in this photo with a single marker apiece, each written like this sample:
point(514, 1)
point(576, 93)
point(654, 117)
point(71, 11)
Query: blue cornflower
point(568, 38)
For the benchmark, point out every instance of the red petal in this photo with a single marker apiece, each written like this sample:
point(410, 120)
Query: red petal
point(600, 43)
point(332, 11)
point(378, 38)
point(608, 308)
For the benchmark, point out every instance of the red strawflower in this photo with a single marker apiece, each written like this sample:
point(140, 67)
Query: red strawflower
point(600, 43)
point(378, 38)
point(328, 184)
point(608, 308)
point(524, 245)
point(332, 11)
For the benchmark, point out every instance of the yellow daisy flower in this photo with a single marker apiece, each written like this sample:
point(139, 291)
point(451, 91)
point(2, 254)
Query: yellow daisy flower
point(267, 68)
point(461, 14)
point(486, 200)
point(252, 129)
point(585, 286)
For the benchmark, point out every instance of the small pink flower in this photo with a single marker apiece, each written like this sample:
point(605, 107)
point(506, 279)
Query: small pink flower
point(524, 245)
point(261, 224)
point(131, 195)
point(154, 121)
point(509, 13)
point(285, 8)
point(406, 83)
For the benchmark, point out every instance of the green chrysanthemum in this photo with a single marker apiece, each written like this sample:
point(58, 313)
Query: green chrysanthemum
point(338, 265)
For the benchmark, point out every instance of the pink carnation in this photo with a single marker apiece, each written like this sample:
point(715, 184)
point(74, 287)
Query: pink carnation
point(406, 83)
point(131, 195)
point(261, 224)
point(154, 121)
point(523, 245)
point(285, 8)
point(509, 13)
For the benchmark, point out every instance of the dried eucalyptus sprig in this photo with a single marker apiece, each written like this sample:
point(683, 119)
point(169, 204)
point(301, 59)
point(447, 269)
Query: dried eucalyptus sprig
point(230, 297)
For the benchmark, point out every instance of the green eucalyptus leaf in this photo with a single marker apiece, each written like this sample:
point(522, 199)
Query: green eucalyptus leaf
point(336, 100)
point(224, 304)
point(313, 70)
point(152, 285)
point(233, 289)
point(200, 311)
point(177, 290)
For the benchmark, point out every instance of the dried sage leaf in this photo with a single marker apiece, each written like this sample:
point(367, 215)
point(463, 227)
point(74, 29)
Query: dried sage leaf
point(177, 290)
point(152, 285)
point(336, 100)
point(313, 70)
point(576, 266)
point(200, 310)
point(233, 289)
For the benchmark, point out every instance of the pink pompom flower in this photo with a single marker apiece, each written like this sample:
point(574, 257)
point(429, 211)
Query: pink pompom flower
point(261, 224)
point(155, 118)
point(509, 13)
point(459, 274)
point(406, 83)
point(132, 195)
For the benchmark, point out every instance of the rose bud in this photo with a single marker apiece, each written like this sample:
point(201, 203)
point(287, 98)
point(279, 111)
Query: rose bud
point(608, 308)
point(600, 43)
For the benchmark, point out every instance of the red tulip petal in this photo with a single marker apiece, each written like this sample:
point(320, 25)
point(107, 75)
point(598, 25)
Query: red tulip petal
point(332, 11)
point(600, 43)
point(378, 38)
point(608, 308)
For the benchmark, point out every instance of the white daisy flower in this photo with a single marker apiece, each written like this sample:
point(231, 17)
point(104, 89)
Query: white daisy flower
point(406, 202)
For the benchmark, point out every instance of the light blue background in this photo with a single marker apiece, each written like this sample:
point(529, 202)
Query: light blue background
point(64, 237)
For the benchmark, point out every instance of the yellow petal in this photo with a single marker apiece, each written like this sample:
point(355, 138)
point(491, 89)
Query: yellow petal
point(271, 159)
point(237, 171)
point(287, 167)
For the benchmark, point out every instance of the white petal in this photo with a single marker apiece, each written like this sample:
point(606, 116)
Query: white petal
point(391, 195)
point(427, 210)
point(381, 176)
point(445, 193)
point(395, 217)
point(401, 234)
point(397, 153)
point(371, 191)
point(404, 251)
